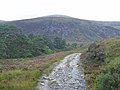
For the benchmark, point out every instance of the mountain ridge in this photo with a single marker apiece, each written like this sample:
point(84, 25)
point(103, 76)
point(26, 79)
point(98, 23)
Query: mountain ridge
point(72, 29)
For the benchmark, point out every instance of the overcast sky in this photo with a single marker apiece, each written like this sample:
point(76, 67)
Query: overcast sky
point(103, 10)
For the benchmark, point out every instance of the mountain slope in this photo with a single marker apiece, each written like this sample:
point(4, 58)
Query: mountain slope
point(71, 29)
point(2, 21)
point(114, 24)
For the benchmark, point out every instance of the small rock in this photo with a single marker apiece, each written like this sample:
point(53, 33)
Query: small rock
point(45, 78)
point(76, 87)
point(42, 84)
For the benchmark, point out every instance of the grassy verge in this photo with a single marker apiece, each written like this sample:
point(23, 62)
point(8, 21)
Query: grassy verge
point(22, 74)
point(102, 65)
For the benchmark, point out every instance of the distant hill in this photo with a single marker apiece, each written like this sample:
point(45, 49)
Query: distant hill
point(1, 21)
point(71, 29)
point(112, 24)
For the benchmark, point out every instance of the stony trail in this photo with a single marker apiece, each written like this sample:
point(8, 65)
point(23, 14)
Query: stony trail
point(67, 75)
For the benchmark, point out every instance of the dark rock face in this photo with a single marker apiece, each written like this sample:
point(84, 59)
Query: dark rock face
point(92, 47)
point(96, 52)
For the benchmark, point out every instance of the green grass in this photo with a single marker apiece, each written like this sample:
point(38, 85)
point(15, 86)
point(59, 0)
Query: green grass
point(110, 71)
point(105, 76)
point(25, 77)
point(19, 79)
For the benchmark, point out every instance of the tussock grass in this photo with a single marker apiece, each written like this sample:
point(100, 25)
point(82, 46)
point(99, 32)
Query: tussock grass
point(104, 74)
point(22, 74)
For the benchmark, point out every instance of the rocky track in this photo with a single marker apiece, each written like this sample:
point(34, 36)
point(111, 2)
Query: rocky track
point(67, 75)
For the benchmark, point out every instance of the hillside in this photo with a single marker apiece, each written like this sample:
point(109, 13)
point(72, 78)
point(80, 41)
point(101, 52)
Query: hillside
point(1, 21)
point(71, 29)
point(24, 43)
point(102, 65)
point(15, 44)
point(114, 24)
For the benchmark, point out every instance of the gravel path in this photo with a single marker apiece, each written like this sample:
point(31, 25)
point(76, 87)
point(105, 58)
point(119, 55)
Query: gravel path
point(67, 75)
